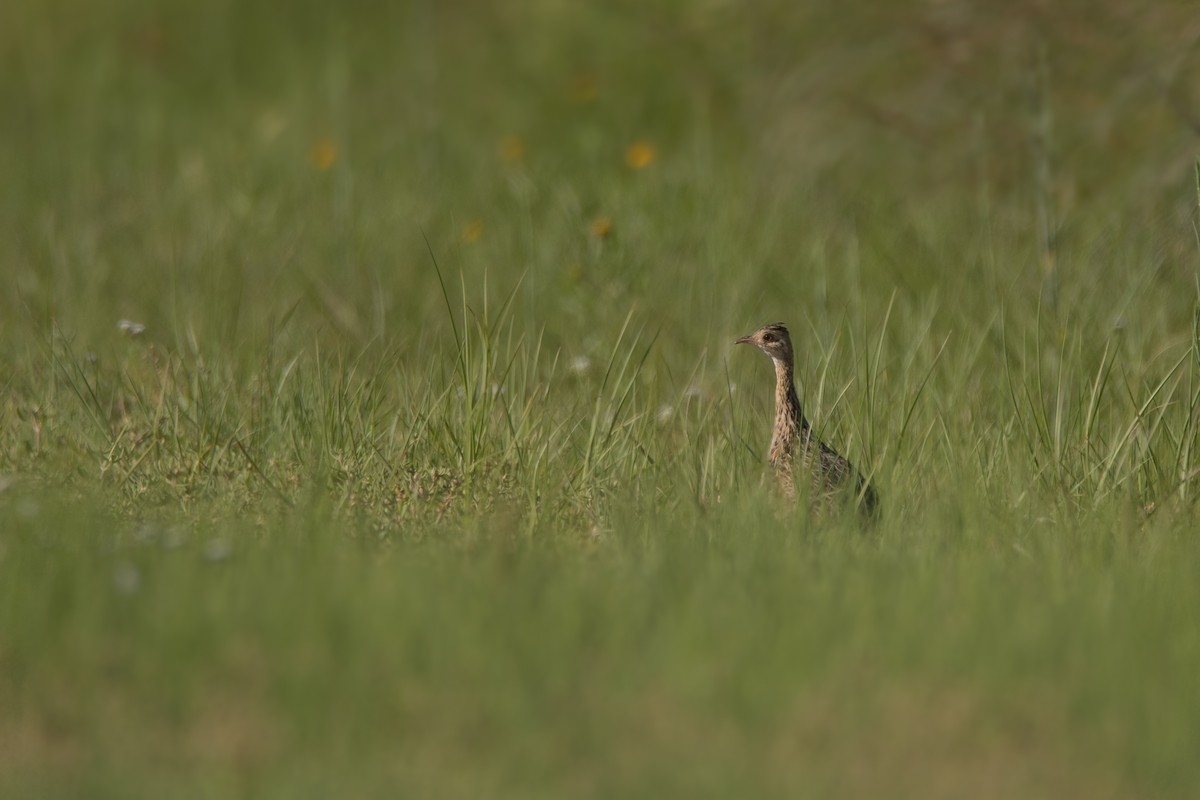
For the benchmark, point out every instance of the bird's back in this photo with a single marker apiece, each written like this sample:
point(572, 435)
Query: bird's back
point(833, 479)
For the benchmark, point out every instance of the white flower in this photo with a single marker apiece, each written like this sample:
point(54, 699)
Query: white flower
point(131, 328)
point(174, 538)
point(580, 364)
point(146, 533)
point(665, 412)
point(217, 550)
point(28, 508)
point(126, 578)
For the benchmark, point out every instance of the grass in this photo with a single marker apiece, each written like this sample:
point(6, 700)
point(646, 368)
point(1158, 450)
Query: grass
point(435, 472)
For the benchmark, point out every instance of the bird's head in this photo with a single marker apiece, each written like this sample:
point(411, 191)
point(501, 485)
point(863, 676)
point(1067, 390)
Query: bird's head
point(773, 340)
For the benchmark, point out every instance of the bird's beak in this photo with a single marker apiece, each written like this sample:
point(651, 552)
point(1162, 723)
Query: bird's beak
point(744, 340)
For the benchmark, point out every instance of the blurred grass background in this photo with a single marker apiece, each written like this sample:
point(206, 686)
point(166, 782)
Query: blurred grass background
point(322, 528)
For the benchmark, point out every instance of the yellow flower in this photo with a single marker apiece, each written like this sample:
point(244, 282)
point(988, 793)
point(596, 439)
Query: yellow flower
point(472, 231)
point(583, 88)
point(602, 227)
point(640, 154)
point(323, 154)
point(512, 148)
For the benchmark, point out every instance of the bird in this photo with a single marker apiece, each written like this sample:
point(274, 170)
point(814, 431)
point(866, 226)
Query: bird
point(833, 479)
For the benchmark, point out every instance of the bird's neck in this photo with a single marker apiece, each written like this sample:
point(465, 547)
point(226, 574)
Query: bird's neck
point(789, 418)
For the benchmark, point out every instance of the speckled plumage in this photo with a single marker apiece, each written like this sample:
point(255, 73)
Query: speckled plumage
point(834, 480)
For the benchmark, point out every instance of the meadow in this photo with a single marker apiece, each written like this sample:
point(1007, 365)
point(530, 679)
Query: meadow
point(371, 423)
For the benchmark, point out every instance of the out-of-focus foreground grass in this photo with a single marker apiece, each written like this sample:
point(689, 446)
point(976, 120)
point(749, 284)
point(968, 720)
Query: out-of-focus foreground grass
point(288, 510)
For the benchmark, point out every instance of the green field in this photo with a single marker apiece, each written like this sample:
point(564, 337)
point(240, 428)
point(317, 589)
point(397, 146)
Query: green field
point(371, 423)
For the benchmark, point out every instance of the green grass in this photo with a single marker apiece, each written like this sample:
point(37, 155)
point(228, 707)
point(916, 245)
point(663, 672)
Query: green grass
point(417, 484)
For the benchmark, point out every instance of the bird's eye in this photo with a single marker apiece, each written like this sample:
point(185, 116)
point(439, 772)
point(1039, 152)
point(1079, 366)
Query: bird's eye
point(768, 337)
